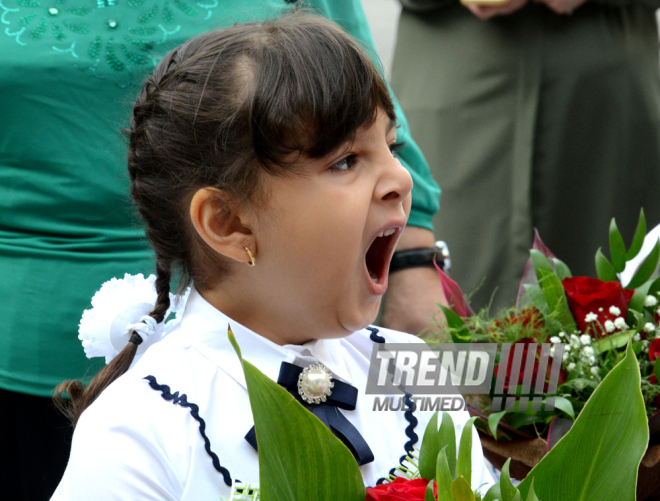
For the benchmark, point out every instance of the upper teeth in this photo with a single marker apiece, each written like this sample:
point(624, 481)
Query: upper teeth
point(387, 233)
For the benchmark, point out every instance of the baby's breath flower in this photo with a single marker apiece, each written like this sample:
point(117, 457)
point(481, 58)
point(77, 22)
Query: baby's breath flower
point(575, 341)
point(615, 311)
point(591, 359)
point(588, 351)
point(637, 338)
point(585, 339)
point(609, 326)
point(649, 327)
point(555, 340)
point(595, 371)
point(570, 366)
point(552, 351)
point(620, 323)
point(591, 317)
point(600, 309)
point(650, 301)
point(566, 355)
point(563, 334)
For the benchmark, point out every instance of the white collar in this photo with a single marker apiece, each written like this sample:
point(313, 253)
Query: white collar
point(207, 327)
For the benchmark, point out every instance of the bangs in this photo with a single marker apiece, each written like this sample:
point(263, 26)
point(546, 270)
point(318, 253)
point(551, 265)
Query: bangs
point(313, 86)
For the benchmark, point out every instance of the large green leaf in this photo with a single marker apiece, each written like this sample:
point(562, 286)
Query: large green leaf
point(646, 269)
point(599, 457)
point(617, 248)
point(464, 462)
point(604, 268)
point(461, 490)
point(447, 439)
point(443, 477)
point(299, 458)
point(638, 238)
point(428, 454)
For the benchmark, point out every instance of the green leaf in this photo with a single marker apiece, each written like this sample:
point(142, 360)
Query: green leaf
point(459, 332)
point(494, 493)
point(508, 490)
point(646, 269)
point(617, 248)
point(561, 268)
point(428, 495)
point(461, 490)
point(556, 299)
point(464, 463)
point(611, 342)
point(536, 297)
point(637, 299)
point(443, 477)
point(565, 405)
point(604, 269)
point(299, 458)
point(599, 457)
point(638, 238)
point(656, 368)
point(493, 420)
point(531, 495)
point(540, 262)
point(428, 454)
point(447, 439)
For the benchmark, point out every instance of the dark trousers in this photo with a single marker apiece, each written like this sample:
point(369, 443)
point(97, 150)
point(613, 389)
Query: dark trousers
point(35, 440)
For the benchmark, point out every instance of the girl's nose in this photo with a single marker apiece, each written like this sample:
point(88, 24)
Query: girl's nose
point(395, 182)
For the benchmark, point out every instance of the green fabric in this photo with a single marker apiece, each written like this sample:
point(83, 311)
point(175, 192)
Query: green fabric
point(69, 71)
point(533, 120)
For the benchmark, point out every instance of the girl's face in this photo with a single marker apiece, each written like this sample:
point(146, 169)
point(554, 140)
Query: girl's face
point(325, 241)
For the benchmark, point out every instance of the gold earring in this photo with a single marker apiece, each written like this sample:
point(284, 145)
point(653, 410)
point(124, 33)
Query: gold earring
point(253, 261)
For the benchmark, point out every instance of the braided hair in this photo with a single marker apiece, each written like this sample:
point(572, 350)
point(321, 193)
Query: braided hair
point(223, 110)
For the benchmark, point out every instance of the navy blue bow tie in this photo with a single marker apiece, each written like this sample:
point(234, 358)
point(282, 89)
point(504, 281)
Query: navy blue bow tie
point(343, 396)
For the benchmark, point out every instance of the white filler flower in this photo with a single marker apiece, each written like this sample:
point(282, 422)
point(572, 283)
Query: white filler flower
point(591, 317)
point(615, 311)
point(620, 323)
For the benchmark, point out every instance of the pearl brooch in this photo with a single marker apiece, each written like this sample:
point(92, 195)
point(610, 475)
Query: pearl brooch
point(314, 384)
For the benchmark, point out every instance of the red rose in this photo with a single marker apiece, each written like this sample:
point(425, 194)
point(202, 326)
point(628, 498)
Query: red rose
point(400, 489)
point(654, 350)
point(653, 379)
point(590, 295)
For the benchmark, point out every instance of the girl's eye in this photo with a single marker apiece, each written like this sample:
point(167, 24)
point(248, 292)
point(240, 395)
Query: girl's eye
point(396, 147)
point(345, 164)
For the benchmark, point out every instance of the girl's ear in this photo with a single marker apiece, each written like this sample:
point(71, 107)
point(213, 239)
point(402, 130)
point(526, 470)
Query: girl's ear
point(221, 224)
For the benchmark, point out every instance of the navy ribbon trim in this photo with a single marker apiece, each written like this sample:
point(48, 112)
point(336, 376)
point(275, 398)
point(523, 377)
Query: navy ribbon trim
point(182, 400)
point(343, 396)
point(408, 415)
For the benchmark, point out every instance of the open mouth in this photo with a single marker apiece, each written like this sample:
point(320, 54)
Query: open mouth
point(379, 255)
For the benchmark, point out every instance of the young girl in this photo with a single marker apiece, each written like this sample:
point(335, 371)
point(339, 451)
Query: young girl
point(262, 161)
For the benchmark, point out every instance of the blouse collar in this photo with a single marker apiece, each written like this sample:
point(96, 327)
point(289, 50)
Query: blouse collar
point(207, 327)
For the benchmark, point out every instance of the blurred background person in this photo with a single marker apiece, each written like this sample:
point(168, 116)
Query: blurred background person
point(538, 114)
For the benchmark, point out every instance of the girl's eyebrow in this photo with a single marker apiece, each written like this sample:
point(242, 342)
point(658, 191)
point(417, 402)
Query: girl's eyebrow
point(391, 126)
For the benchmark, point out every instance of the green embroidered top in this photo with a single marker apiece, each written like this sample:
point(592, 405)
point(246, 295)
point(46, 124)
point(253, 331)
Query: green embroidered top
point(69, 71)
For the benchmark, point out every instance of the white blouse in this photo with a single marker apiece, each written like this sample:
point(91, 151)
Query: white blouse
point(141, 439)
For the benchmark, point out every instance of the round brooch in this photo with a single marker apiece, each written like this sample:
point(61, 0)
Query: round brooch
point(314, 384)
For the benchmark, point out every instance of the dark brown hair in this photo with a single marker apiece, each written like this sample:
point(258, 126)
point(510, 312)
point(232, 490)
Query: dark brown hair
point(222, 110)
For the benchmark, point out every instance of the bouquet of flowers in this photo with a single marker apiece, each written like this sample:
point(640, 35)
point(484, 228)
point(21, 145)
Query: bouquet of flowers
point(593, 318)
point(301, 460)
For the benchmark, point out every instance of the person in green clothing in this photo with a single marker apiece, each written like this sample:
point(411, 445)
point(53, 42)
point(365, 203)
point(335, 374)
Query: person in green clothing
point(69, 71)
point(532, 115)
